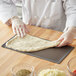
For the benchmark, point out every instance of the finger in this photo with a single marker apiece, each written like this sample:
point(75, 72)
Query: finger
point(14, 30)
point(18, 32)
point(61, 38)
point(21, 31)
point(63, 43)
point(26, 29)
point(60, 41)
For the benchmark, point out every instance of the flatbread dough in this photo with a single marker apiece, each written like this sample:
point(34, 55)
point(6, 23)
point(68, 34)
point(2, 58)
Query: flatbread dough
point(30, 43)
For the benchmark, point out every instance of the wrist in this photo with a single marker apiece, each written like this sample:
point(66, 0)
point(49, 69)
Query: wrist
point(72, 30)
point(14, 18)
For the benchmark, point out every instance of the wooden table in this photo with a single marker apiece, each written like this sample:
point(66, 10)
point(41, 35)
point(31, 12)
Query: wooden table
point(10, 58)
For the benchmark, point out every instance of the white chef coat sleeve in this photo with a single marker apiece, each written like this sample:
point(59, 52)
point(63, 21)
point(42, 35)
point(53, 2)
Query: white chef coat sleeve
point(70, 11)
point(7, 10)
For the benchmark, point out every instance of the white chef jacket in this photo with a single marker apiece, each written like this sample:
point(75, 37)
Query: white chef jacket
point(54, 14)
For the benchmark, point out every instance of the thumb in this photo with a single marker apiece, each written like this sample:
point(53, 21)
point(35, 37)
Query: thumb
point(60, 39)
point(63, 43)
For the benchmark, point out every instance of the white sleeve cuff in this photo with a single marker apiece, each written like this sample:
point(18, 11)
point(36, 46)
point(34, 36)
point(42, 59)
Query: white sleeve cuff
point(7, 13)
point(71, 20)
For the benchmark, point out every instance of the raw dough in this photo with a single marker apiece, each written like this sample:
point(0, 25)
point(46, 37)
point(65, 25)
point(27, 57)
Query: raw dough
point(30, 43)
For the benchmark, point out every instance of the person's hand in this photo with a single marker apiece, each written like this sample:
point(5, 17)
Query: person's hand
point(67, 37)
point(19, 27)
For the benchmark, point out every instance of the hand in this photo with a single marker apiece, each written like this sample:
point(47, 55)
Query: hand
point(67, 37)
point(19, 27)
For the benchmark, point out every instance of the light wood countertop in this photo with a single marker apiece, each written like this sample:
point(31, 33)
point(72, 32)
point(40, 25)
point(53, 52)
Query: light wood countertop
point(9, 58)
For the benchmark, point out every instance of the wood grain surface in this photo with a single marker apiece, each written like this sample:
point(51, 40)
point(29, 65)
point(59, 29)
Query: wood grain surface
point(10, 58)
